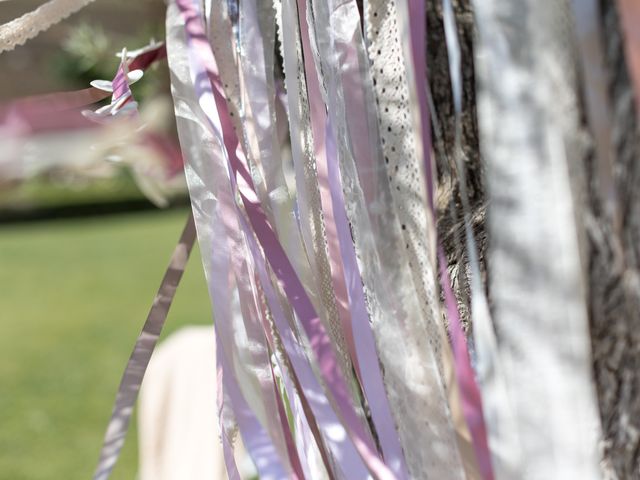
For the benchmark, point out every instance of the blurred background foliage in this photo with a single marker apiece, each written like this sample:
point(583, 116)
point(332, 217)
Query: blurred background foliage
point(68, 57)
point(88, 53)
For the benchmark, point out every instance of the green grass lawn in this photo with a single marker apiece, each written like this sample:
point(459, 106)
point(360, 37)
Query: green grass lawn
point(73, 297)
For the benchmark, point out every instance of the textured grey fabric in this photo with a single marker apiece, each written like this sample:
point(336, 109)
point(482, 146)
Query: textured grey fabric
point(531, 142)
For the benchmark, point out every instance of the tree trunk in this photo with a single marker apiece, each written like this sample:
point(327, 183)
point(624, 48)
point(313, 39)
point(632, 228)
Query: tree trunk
point(614, 280)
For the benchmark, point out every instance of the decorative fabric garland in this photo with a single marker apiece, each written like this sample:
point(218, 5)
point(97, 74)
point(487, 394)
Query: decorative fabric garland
point(306, 284)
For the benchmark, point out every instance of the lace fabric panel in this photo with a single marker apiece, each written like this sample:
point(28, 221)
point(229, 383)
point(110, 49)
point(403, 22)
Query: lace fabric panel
point(404, 168)
point(412, 374)
point(31, 24)
point(528, 110)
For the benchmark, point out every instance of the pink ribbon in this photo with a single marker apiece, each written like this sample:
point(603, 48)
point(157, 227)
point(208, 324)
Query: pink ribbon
point(360, 334)
point(139, 360)
point(471, 398)
point(318, 121)
point(371, 376)
point(629, 15)
point(57, 111)
point(469, 392)
point(205, 71)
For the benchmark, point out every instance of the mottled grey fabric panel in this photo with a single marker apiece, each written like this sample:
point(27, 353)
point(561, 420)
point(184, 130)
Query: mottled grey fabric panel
point(532, 145)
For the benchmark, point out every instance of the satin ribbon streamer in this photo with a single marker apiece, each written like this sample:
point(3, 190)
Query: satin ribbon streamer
point(205, 70)
point(139, 360)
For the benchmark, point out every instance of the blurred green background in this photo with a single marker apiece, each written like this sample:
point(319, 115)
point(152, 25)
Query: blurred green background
point(74, 293)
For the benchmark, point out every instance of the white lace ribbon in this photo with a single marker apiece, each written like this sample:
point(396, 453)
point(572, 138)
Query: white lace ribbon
point(31, 24)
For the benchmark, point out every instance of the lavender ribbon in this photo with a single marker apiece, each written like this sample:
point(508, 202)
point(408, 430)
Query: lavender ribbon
point(139, 360)
point(471, 399)
point(205, 71)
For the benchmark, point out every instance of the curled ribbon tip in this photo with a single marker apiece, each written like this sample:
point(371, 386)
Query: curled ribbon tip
point(122, 103)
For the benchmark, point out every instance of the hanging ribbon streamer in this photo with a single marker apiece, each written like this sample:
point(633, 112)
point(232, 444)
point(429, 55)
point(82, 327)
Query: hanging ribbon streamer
point(317, 118)
point(256, 40)
point(364, 342)
point(246, 371)
point(206, 178)
point(281, 265)
point(362, 336)
point(255, 438)
point(53, 110)
point(488, 363)
point(629, 15)
point(417, 373)
point(256, 61)
point(139, 360)
point(225, 412)
point(294, 457)
point(309, 195)
point(145, 344)
point(283, 270)
point(471, 400)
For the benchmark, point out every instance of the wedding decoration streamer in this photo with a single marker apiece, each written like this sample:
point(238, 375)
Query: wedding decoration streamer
point(363, 329)
point(203, 66)
point(134, 372)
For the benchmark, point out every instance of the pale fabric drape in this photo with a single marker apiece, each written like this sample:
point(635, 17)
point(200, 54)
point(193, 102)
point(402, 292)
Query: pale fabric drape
point(178, 429)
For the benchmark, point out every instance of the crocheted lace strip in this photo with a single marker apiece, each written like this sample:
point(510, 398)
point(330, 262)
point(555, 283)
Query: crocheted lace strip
point(19, 30)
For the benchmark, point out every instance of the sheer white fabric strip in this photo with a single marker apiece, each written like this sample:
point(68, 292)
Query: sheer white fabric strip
point(528, 112)
point(222, 248)
point(401, 141)
point(418, 380)
point(338, 31)
point(256, 67)
point(31, 24)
